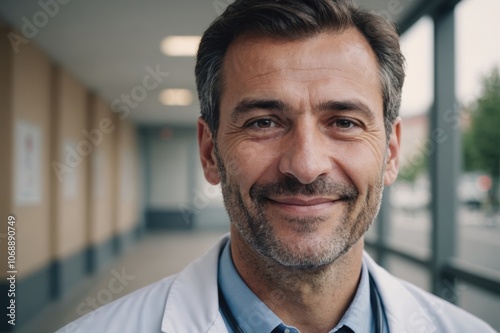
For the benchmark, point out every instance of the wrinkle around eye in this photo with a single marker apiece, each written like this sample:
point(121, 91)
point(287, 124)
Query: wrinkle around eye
point(249, 131)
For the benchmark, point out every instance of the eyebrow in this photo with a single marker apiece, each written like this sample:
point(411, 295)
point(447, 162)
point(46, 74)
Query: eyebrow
point(347, 105)
point(247, 105)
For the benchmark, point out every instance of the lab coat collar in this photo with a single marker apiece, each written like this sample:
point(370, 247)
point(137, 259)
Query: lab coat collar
point(403, 311)
point(193, 297)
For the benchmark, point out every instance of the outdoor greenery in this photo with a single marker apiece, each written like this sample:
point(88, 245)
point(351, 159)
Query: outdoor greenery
point(412, 169)
point(481, 140)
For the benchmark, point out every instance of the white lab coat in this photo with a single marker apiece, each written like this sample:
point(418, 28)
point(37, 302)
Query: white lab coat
point(188, 303)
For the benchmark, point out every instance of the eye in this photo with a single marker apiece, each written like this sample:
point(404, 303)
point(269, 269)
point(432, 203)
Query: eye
point(344, 123)
point(262, 123)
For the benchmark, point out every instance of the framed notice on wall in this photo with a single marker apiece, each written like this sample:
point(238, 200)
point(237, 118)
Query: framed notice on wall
point(28, 164)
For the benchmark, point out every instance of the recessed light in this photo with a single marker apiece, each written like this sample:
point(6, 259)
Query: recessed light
point(176, 97)
point(180, 46)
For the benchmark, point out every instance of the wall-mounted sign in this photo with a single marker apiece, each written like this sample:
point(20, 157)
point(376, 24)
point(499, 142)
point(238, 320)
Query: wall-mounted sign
point(28, 164)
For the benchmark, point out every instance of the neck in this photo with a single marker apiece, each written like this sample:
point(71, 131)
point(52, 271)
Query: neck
point(311, 300)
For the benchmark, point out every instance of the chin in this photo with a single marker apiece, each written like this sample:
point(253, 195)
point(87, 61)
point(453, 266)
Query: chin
point(307, 251)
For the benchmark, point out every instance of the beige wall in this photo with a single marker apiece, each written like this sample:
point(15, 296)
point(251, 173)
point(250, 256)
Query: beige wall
point(103, 132)
point(86, 196)
point(127, 178)
point(71, 153)
point(31, 102)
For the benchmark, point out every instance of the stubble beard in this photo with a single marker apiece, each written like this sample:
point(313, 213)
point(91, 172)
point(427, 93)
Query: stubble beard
point(253, 223)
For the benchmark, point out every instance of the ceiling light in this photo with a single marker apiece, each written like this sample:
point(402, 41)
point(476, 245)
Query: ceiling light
point(177, 97)
point(180, 46)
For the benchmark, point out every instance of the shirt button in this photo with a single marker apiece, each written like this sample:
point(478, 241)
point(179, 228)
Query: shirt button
point(287, 330)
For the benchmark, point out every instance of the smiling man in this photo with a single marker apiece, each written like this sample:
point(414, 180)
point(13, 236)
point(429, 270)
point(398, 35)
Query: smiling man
point(303, 127)
point(300, 126)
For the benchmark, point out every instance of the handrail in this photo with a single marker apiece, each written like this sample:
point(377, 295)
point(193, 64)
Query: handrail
point(421, 261)
point(479, 276)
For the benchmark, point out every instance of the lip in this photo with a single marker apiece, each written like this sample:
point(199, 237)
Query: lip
point(303, 205)
point(296, 201)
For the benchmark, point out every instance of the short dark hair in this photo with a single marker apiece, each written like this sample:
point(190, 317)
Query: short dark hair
point(295, 20)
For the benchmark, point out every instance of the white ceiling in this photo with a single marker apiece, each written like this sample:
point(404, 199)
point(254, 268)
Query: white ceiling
point(108, 44)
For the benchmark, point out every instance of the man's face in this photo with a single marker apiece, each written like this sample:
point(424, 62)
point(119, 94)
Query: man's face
point(301, 151)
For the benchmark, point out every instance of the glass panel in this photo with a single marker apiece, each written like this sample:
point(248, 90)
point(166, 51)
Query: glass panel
point(480, 303)
point(409, 199)
point(478, 93)
point(408, 271)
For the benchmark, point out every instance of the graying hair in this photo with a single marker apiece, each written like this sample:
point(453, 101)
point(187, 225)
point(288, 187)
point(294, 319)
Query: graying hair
point(296, 20)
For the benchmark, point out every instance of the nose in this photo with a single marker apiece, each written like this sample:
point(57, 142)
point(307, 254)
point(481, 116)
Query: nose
point(305, 154)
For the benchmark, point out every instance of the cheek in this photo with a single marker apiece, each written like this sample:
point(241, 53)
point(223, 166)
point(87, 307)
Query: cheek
point(245, 165)
point(362, 163)
point(248, 161)
point(237, 162)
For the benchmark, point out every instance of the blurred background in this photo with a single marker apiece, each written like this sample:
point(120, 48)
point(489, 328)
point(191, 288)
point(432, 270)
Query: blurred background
point(100, 167)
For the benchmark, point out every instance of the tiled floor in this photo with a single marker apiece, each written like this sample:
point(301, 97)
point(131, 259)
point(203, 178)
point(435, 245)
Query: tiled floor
point(152, 258)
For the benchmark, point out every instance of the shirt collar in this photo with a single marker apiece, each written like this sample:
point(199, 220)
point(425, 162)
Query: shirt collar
point(253, 315)
point(250, 312)
point(359, 316)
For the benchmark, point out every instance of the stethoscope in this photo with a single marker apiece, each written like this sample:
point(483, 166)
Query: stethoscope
point(375, 301)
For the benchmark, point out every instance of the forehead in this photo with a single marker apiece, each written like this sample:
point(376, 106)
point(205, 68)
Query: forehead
point(342, 64)
point(255, 59)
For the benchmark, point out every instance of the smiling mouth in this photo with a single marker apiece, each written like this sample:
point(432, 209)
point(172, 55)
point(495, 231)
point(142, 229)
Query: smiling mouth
point(297, 205)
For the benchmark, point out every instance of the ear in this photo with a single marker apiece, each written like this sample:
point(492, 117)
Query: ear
point(207, 153)
point(392, 167)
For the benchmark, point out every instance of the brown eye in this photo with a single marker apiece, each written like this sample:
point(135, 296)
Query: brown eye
point(263, 123)
point(344, 123)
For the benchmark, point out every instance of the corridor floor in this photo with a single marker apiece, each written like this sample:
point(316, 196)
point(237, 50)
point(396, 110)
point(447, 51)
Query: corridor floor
point(153, 257)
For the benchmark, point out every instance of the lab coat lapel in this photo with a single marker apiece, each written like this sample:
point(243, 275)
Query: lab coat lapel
point(193, 297)
point(404, 313)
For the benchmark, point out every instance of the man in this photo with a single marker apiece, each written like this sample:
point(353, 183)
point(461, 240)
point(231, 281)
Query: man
point(300, 126)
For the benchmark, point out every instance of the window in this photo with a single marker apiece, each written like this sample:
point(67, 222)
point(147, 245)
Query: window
point(477, 61)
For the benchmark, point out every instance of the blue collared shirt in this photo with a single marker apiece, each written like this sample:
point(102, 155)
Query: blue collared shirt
point(253, 315)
